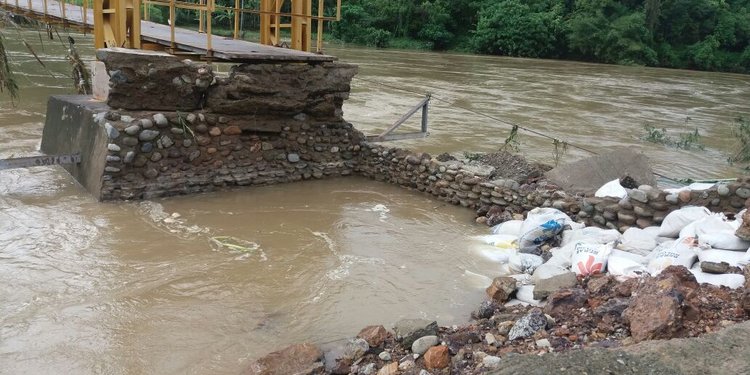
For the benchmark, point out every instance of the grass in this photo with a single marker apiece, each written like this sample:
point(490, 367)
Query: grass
point(741, 132)
point(690, 140)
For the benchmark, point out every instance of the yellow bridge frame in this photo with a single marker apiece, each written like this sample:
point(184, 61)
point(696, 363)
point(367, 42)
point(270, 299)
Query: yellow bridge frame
point(117, 23)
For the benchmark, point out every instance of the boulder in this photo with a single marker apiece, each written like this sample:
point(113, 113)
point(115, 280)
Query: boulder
point(422, 344)
point(409, 330)
point(563, 301)
point(501, 288)
point(437, 357)
point(545, 287)
point(295, 359)
point(339, 359)
point(374, 335)
point(743, 231)
point(528, 325)
point(389, 369)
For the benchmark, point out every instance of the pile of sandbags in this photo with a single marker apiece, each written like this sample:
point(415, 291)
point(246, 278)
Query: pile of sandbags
point(549, 247)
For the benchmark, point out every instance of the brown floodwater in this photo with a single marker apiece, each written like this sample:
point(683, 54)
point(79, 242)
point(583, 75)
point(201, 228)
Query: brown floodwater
point(123, 288)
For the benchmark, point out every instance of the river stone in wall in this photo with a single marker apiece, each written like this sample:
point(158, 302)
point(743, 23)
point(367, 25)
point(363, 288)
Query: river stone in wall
point(149, 80)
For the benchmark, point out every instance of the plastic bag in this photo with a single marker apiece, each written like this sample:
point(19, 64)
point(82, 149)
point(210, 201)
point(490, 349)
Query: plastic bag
point(611, 189)
point(525, 263)
point(679, 219)
point(680, 253)
point(639, 241)
point(541, 225)
point(512, 227)
point(590, 235)
point(590, 258)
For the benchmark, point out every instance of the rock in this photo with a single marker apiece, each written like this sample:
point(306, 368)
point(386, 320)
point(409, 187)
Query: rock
point(374, 335)
point(367, 369)
point(266, 146)
point(684, 196)
point(420, 345)
point(612, 306)
point(491, 362)
point(338, 360)
point(295, 359)
point(485, 310)
point(743, 231)
point(589, 174)
point(334, 149)
point(528, 325)
point(132, 130)
point(458, 340)
point(672, 198)
point(501, 289)
point(437, 357)
point(406, 365)
point(147, 147)
point(503, 328)
point(113, 147)
point(543, 343)
point(292, 158)
point(722, 190)
point(150, 80)
point(743, 192)
point(160, 120)
point(232, 130)
point(166, 142)
point(129, 157)
point(411, 329)
point(545, 287)
point(215, 131)
point(130, 141)
point(424, 372)
point(655, 309)
point(561, 302)
point(389, 369)
point(490, 339)
point(111, 169)
point(151, 173)
point(638, 195)
point(713, 267)
point(148, 135)
point(384, 356)
point(112, 133)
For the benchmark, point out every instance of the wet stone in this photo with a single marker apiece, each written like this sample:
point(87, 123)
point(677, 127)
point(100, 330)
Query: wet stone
point(112, 158)
point(132, 130)
point(743, 192)
point(156, 156)
point(112, 133)
point(111, 169)
point(129, 157)
point(722, 190)
point(148, 135)
point(147, 147)
point(293, 158)
point(130, 141)
point(160, 120)
point(638, 195)
point(166, 142)
point(113, 147)
point(146, 123)
point(214, 131)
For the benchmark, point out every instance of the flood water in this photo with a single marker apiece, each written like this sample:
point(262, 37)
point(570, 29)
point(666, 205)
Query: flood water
point(145, 287)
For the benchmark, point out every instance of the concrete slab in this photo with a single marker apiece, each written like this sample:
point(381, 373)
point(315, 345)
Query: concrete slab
point(589, 174)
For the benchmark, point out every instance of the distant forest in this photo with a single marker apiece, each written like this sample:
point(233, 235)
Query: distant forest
point(709, 35)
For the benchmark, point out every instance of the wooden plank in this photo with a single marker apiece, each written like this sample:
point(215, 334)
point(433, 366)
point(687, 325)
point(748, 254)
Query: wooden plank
point(38, 161)
point(227, 49)
point(405, 116)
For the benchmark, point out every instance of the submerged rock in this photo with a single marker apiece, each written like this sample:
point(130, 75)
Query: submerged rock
point(294, 359)
point(409, 330)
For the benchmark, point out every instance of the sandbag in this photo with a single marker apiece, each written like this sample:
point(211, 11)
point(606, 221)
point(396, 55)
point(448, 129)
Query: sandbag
point(624, 265)
point(680, 253)
point(559, 260)
point(590, 235)
point(717, 232)
point(494, 253)
point(590, 258)
point(525, 293)
point(729, 280)
point(524, 263)
point(733, 258)
point(638, 241)
point(679, 219)
point(512, 227)
point(611, 189)
point(541, 225)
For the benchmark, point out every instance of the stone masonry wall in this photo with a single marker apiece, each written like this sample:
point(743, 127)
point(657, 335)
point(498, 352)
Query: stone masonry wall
point(473, 186)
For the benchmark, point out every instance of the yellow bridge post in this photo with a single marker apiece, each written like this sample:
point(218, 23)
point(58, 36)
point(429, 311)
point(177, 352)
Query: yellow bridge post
point(117, 23)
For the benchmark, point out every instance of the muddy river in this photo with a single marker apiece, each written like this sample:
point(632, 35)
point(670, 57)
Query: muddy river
point(124, 288)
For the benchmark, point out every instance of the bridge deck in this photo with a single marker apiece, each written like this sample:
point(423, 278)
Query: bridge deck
point(223, 48)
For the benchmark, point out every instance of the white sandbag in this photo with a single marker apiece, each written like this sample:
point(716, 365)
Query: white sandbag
point(640, 259)
point(678, 219)
point(512, 227)
point(546, 271)
point(717, 232)
point(522, 278)
point(525, 293)
point(680, 253)
point(611, 189)
point(695, 186)
point(559, 261)
point(541, 225)
point(623, 266)
point(476, 280)
point(746, 259)
point(733, 258)
point(500, 240)
point(524, 263)
point(689, 230)
point(638, 241)
point(729, 280)
point(590, 235)
point(590, 258)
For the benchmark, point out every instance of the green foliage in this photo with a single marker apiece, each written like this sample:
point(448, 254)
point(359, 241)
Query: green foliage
point(696, 34)
point(685, 141)
point(7, 79)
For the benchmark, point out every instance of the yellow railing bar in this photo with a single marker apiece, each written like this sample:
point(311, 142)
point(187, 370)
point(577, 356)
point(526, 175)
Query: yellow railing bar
point(172, 21)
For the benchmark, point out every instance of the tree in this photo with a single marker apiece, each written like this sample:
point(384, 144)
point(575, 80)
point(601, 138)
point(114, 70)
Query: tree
point(510, 28)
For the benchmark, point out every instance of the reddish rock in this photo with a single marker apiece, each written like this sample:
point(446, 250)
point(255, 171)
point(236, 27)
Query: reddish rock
point(437, 357)
point(501, 288)
point(656, 309)
point(389, 369)
point(746, 301)
point(563, 301)
point(374, 335)
point(215, 131)
point(684, 196)
point(601, 285)
point(294, 359)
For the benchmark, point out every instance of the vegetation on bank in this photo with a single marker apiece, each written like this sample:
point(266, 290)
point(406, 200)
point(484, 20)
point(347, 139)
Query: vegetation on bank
point(709, 35)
